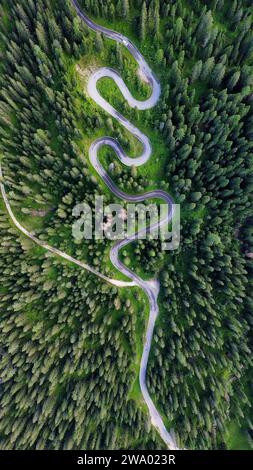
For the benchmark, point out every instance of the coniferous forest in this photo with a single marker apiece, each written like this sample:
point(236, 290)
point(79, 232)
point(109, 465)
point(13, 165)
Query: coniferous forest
point(70, 344)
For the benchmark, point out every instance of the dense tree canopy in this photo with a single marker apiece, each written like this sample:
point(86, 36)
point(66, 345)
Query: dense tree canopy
point(70, 345)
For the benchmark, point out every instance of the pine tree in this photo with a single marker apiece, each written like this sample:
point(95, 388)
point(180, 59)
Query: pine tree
point(218, 74)
point(196, 71)
point(157, 20)
point(143, 24)
point(99, 42)
point(234, 80)
point(125, 9)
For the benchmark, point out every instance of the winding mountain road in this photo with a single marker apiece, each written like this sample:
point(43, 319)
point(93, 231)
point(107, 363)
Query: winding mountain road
point(151, 288)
